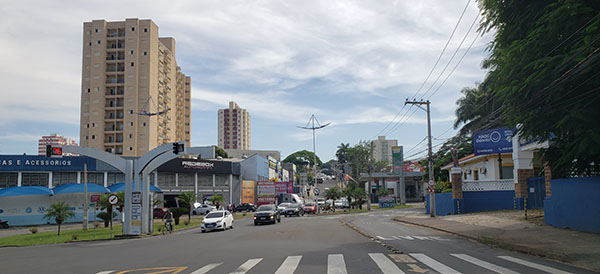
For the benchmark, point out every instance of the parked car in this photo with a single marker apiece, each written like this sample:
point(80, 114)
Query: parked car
point(283, 207)
point(294, 210)
point(320, 202)
point(158, 212)
point(217, 219)
point(244, 207)
point(341, 203)
point(310, 208)
point(203, 209)
point(267, 214)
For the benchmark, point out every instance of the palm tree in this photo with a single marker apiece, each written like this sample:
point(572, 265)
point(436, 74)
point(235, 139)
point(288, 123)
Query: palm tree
point(333, 193)
point(341, 153)
point(189, 198)
point(60, 212)
point(217, 199)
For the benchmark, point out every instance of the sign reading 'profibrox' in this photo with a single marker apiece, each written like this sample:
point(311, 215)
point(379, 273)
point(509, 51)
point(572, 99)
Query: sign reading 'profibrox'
point(493, 141)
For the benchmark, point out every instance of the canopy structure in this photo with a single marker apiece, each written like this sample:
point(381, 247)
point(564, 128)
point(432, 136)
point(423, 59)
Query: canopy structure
point(121, 187)
point(24, 190)
point(79, 188)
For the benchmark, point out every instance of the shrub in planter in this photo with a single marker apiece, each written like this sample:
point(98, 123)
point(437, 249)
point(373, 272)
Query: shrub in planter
point(33, 230)
point(178, 212)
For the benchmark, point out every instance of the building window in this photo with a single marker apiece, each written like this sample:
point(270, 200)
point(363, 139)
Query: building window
point(88, 125)
point(475, 174)
point(86, 137)
point(98, 41)
point(88, 90)
point(132, 64)
point(131, 52)
point(93, 136)
point(145, 30)
point(145, 53)
point(144, 124)
point(130, 148)
point(130, 136)
point(90, 43)
point(96, 30)
point(93, 124)
point(131, 111)
point(131, 123)
point(132, 28)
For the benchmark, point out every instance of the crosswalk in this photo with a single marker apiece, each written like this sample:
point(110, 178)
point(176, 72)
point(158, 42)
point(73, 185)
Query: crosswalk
point(382, 263)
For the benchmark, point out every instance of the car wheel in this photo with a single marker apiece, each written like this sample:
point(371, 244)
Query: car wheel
point(255, 223)
point(194, 213)
point(203, 231)
point(279, 220)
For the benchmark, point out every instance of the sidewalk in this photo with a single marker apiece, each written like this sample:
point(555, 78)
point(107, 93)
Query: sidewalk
point(509, 230)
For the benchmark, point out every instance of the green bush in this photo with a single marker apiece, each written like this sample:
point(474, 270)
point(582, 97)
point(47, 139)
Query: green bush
point(105, 217)
point(74, 237)
point(33, 230)
point(178, 212)
point(442, 187)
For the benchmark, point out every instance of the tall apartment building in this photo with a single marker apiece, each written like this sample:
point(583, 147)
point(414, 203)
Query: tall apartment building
point(55, 140)
point(133, 95)
point(234, 127)
point(382, 149)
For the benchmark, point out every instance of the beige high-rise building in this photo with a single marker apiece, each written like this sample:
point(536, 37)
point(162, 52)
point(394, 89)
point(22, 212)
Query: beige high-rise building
point(133, 95)
point(382, 149)
point(234, 127)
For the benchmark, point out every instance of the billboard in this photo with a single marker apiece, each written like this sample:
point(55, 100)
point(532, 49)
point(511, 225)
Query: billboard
point(492, 141)
point(413, 167)
point(397, 160)
point(265, 193)
point(248, 192)
point(284, 187)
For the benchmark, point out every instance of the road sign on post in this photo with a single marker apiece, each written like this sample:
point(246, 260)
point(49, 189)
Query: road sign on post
point(95, 198)
point(113, 199)
point(317, 191)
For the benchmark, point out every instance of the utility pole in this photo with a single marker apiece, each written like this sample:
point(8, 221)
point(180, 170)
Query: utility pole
point(85, 199)
point(430, 154)
point(312, 120)
point(368, 184)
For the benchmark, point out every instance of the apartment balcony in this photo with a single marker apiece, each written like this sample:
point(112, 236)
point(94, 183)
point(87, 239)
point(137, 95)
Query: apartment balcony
point(115, 56)
point(115, 68)
point(120, 44)
point(113, 33)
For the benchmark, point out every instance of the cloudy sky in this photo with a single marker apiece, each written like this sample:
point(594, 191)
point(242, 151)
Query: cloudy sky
point(351, 63)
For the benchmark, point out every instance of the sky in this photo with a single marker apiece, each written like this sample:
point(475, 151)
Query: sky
point(350, 63)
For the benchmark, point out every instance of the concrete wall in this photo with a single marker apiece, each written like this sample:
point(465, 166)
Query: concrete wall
point(575, 204)
point(24, 210)
point(444, 204)
point(476, 201)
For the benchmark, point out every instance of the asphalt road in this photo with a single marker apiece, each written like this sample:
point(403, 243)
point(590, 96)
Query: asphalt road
point(296, 245)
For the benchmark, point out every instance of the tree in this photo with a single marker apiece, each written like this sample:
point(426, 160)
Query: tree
point(359, 156)
point(476, 110)
point(464, 145)
point(359, 196)
point(341, 153)
point(217, 200)
point(189, 198)
point(348, 191)
point(103, 202)
point(60, 212)
point(220, 152)
point(382, 192)
point(301, 158)
point(329, 167)
point(381, 166)
point(543, 67)
point(333, 193)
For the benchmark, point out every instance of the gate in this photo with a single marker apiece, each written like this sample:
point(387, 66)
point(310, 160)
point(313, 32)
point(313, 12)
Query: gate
point(536, 192)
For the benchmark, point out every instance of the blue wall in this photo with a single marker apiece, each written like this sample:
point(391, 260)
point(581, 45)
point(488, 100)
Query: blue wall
point(477, 201)
point(444, 204)
point(575, 203)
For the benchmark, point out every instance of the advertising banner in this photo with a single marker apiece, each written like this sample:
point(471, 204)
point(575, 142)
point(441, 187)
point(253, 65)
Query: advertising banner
point(397, 159)
point(41, 163)
point(248, 192)
point(265, 193)
point(284, 187)
point(412, 167)
point(493, 141)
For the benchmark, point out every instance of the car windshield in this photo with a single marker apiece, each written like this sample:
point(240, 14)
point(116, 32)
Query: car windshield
point(284, 204)
point(265, 208)
point(309, 204)
point(214, 215)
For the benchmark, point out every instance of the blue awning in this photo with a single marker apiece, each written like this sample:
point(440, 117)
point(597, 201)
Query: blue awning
point(121, 187)
point(25, 190)
point(79, 188)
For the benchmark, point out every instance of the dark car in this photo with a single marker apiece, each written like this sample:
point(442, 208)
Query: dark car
point(266, 214)
point(159, 212)
point(244, 207)
point(294, 210)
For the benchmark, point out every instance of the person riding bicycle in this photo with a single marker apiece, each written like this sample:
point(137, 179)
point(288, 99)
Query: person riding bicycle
point(168, 217)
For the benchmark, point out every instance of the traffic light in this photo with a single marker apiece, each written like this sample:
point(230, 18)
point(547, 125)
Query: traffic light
point(48, 150)
point(177, 147)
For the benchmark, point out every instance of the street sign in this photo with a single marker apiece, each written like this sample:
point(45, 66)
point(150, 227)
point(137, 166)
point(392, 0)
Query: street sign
point(431, 182)
point(113, 199)
point(92, 204)
point(95, 198)
point(136, 197)
point(316, 191)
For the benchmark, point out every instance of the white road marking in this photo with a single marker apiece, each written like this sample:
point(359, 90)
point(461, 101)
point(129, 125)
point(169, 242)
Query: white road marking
point(404, 237)
point(106, 272)
point(422, 238)
point(336, 264)
point(249, 264)
point(437, 266)
point(206, 268)
point(385, 264)
point(534, 265)
point(384, 239)
point(484, 264)
point(289, 265)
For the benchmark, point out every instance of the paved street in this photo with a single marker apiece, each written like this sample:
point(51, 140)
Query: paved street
point(296, 245)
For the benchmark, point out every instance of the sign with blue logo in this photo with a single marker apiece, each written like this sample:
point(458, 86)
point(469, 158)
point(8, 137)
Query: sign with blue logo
point(41, 163)
point(493, 141)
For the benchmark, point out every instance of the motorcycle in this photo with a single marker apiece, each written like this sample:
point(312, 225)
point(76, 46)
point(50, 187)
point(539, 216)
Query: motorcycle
point(3, 224)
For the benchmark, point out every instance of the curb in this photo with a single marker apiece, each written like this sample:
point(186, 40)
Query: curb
point(370, 237)
point(498, 243)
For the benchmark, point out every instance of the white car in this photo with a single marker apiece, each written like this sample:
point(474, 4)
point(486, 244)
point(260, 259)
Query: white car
point(320, 202)
point(202, 209)
point(217, 219)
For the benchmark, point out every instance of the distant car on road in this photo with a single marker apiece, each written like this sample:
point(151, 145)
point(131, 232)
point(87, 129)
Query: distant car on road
point(203, 209)
point(283, 207)
point(320, 202)
point(266, 214)
point(159, 212)
point(218, 219)
point(294, 210)
point(341, 203)
point(310, 208)
point(244, 207)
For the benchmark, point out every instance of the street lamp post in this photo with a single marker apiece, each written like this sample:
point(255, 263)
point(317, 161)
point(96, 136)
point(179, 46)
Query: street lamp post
point(312, 120)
